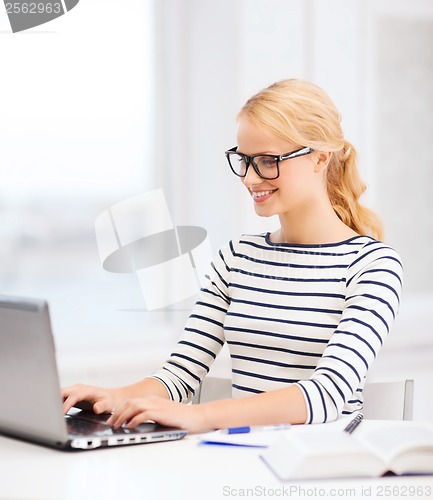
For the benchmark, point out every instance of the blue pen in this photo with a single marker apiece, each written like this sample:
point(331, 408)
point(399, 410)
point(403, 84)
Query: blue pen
point(255, 428)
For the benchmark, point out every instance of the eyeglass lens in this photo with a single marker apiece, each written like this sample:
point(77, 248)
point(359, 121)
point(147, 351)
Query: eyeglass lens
point(266, 166)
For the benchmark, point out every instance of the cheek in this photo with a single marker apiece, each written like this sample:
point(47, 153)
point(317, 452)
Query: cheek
point(294, 185)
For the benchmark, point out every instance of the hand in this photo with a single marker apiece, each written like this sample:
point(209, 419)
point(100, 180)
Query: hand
point(161, 410)
point(82, 396)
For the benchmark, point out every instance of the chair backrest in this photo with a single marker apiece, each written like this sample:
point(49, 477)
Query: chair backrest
point(213, 388)
point(389, 400)
point(382, 400)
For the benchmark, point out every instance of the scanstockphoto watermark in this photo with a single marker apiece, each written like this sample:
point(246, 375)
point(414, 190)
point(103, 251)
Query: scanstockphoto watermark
point(359, 491)
point(24, 14)
point(290, 491)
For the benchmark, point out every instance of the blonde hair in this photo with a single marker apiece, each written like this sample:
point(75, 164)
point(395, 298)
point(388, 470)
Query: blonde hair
point(302, 113)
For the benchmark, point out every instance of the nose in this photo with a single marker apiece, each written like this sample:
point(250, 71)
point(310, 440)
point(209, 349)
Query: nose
point(251, 178)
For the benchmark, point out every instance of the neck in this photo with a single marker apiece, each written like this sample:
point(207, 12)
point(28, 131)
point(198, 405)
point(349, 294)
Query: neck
point(312, 225)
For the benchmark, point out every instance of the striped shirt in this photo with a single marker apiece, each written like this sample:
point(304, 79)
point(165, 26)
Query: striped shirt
point(311, 315)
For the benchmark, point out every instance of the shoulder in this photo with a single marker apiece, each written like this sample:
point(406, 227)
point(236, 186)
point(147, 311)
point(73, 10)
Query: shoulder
point(375, 256)
point(245, 244)
point(372, 250)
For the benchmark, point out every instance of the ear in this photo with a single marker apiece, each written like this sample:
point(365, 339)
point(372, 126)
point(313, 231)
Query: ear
point(322, 160)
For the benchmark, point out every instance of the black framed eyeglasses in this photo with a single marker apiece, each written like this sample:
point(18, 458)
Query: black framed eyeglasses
point(265, 166)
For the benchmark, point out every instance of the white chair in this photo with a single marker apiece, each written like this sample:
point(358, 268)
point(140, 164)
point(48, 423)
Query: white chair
point(382, 400)
point(389, 400)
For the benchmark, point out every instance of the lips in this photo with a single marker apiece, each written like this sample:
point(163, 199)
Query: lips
point(261, 196)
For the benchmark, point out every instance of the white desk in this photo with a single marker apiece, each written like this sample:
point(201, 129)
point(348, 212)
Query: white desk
point(168, 471)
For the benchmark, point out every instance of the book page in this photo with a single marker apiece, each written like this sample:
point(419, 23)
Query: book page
point(322, 453)
point(394, 440)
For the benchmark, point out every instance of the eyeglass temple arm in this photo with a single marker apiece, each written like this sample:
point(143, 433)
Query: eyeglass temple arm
point(300, 152)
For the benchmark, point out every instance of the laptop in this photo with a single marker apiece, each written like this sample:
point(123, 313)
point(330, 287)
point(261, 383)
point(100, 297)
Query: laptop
point(31, 406)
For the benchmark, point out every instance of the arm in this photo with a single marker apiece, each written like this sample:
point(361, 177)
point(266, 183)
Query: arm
point(373, 289)
point(274, 407)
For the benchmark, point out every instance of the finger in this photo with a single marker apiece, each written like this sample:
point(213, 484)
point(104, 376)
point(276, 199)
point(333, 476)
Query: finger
point(124, 414)
point(67, 405)
point(75, 394)
point(138, 419)
point(70, 402)
point(104, 406)
point(117, 419)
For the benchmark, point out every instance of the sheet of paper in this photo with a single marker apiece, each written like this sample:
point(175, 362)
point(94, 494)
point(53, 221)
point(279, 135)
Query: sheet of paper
point(256, 439)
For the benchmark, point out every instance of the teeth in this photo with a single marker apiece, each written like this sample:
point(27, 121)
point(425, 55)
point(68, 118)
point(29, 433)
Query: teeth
point(259, 194)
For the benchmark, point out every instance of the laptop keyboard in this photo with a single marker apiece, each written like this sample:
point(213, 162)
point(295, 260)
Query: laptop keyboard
point(79, 427)
point(87, 423)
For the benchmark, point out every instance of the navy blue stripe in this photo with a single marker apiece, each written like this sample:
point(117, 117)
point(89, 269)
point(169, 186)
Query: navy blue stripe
point(376, 270)
point(325, 412)
point(378, 283)
point(184, 387)
point(389, 271)
point(219, 295)
point(178, 393)
point(246, 389)
point(181, 381)
point(354, 402)
point(310, 406)
point(326, 368)
point(209, 320)
point(330, 396)
point(373, 297)
point(223, 281)
point(205, 334)
point(273, 363)
point(192, 360)
point(177, 365)
point(224, 261)
point(272, 348)
point(288, 264)
point(346, 363)
point(265, 377)
point(166, 386)
point(271, 334)
point(345, 332)
point(211, 306)
point(363, 323)
point(378, 316)
point(287, 308)
point(335, 385)
point(289, 249)
point(283, 278)
point(350, 349)
point(364, 255)
point(283, 292)
point(284, 321)
point(199, 347)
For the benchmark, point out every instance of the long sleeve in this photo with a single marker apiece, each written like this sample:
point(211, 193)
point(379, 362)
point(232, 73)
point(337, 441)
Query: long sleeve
point(203, 335)
point(373, 290)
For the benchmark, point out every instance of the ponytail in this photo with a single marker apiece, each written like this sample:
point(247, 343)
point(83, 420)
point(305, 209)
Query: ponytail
point(345, 187)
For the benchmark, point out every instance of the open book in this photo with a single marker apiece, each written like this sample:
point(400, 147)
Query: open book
point(397, 447)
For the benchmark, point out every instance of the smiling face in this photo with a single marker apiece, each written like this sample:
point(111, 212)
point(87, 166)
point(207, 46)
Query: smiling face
point(301, 180)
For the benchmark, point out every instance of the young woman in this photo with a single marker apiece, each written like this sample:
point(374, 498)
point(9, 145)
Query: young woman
point(305, 309)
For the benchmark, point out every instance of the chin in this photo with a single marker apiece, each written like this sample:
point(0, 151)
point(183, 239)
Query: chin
point(262, 212)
